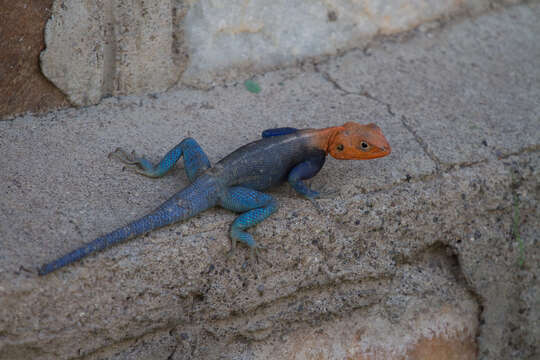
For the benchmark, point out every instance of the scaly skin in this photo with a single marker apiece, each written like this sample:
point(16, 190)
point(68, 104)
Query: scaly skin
point(235, 182)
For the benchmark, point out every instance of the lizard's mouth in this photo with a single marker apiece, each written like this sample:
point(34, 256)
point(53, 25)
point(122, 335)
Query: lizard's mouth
point(376, 152)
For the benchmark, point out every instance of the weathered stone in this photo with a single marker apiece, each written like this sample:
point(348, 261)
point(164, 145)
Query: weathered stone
point(427, 327)
point(119, 47)
point(95, 49)
point(143, 47)
point(102, 48)
point(74, 56)
point(228, 37)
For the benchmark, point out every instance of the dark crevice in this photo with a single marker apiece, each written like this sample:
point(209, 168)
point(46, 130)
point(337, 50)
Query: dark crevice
point(170, 357)
point(460, 276)
point(121, 343)
point(110, 49)
point(467, 164)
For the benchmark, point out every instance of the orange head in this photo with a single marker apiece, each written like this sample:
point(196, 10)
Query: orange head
point(353, 141)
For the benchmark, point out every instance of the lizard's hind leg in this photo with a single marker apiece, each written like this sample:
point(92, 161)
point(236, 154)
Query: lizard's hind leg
point(255, 206)
point(195, 160)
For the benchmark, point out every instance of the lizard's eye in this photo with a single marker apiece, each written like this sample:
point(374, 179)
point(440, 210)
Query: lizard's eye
point(364, 145)
point(340, 147)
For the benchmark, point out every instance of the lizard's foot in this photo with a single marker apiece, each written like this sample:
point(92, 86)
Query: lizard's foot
point(324, 194)
point(232, 250)
point(121, 155)
point(255, 255)
point(328, 194)
point(316, 205)
point(255, 207)
point(135, 163)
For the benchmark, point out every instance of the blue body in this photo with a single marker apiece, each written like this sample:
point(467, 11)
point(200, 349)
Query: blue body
point(267, 162)
point(235, 182)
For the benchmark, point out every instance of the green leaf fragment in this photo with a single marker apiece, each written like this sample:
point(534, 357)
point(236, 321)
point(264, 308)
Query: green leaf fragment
point(252, 86)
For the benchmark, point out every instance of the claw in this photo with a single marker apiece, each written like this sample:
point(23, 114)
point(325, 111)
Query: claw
point(255, 255)
point(232, 250)
point(316, 205)
point(121, 155)
point(324, 193)
point(135, 163)
point(330, 193)
point(133, 168)
point(321, 195)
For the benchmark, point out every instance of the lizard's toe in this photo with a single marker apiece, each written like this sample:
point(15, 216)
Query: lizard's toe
point(121, 155)
point(255, 255)
point(327, 193)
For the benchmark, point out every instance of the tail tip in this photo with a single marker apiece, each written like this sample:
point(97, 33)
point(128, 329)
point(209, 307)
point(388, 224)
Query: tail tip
point(45, 269)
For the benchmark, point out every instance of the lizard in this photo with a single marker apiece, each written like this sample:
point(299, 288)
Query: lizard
point(236, 182)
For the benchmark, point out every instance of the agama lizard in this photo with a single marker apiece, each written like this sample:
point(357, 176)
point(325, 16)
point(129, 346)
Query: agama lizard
point(236, 181)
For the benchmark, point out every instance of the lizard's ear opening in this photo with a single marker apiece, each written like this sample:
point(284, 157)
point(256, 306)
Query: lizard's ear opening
point(340, 147)
point(357, 142)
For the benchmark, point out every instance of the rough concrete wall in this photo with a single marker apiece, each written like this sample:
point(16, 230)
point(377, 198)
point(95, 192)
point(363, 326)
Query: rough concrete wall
point(101, 48)
point(230, 37)
point(120, 47)
point(432, 251)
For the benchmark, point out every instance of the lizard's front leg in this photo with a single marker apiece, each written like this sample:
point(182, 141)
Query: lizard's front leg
point(195, 160)
point(255, 206)
point(306, 170)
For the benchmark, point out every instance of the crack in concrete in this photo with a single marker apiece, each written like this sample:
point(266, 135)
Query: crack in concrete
point(388, 106)
point(466, 164)
point(170, 357)
point(439, 165)
point(524, 150)
point(422, 143)
point(325, 75)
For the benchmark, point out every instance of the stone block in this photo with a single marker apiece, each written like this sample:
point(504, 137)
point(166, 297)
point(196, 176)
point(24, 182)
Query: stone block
point(96, 49)
point(119, 47)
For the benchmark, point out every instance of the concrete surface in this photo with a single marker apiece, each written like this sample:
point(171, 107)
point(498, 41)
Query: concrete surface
point(100, 48)
point(431, 252)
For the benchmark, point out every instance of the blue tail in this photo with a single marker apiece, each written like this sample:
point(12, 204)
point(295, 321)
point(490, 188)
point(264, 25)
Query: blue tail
point(188, 202)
